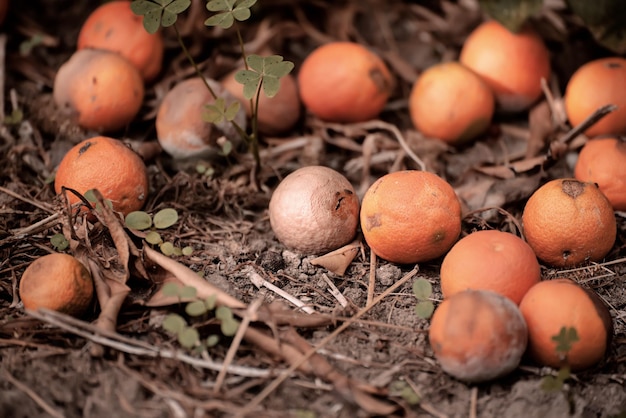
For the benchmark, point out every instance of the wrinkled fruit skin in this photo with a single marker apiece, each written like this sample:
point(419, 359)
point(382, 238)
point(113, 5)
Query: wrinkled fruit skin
point(478, 335)
point(314, 210)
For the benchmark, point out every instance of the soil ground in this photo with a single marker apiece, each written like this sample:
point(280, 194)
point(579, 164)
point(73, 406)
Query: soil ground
point(51, 366)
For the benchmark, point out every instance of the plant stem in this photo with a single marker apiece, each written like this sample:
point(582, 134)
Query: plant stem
point(193, 62)
point(250, 139)
point(254, 138)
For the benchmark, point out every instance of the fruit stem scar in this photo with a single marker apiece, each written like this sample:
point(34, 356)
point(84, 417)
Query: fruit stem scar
point(573, 188)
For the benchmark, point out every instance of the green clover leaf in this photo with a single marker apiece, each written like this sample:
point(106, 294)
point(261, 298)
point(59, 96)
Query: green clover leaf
point(138, 219)
point(229, 11)
point(157, 13)
point(265, 71)
point(218, 111)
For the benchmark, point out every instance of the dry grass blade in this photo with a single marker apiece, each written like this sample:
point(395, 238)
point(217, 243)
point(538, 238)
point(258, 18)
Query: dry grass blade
point(132, 346)
point(284, 375)
point(118, 292)
point(54, 413)
point(232, 350)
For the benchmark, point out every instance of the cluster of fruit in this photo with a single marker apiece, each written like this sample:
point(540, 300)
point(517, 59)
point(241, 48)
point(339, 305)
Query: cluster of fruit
point(495, 307)
point(490, 279)
point(102, 87)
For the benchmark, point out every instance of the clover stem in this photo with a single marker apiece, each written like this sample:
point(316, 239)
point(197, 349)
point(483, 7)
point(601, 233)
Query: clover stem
point(193, 62)
point(253, 139)
point(250, 139)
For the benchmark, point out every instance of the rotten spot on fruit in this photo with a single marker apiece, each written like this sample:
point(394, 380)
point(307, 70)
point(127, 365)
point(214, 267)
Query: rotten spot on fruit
point(383, 84)
point(84, 148)
point(439, 236)
point(373, 221)
point(573, 188)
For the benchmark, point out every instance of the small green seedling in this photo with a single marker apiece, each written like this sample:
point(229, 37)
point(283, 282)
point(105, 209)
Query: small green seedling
point(564, 341)
point(90, 196)
point(260, 73)
point(159, 13)
point(27, 46)
point(16, 117)
point(423, 290)
point(205, 169)
point(163, 219)
point(187, 335)
point(59, 242)
point(405, 391)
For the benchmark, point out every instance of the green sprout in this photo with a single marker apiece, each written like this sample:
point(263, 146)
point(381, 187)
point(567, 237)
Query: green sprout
point(142, 221)
point(402, 389)
point(261, 74)
point(423, 290)
point(564, 341)
point(159, 13)
point(59, 242)
point(187, 335)
point(27, 46)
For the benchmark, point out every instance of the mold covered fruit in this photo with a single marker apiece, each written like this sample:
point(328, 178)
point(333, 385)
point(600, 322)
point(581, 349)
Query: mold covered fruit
point(478, 335)
point(314, 210)
point(181, 128)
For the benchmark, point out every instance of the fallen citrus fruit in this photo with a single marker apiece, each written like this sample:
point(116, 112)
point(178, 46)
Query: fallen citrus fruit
point(595, 84)
point(344, 82)
point(603, 161)
point(490, 260)
point(180, 122)
point(114, 27)
point(450, 102)
point(478, 335)
point(108, 165)
point(410, 216)
point(567, 222)
point(512, 64)
point(58, 282)
point(314, 210)
point(276, 115)
point(101, 89)
point(552, 305)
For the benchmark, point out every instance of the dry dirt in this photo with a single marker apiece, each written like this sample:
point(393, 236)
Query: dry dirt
point(52, 367)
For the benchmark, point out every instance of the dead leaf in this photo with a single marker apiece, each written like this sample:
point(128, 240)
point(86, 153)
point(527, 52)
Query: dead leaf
point(338, 261)
point(541, 126)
